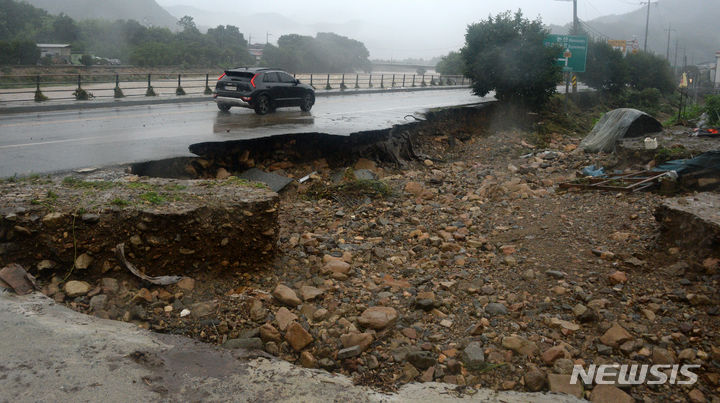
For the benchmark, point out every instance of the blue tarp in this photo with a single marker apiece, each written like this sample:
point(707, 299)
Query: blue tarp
point(707, 161)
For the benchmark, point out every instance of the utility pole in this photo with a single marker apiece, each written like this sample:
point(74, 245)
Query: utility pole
point(575, 17)
point(676, 51)
point(667, 53)
point(267, 37)
point(647, 23)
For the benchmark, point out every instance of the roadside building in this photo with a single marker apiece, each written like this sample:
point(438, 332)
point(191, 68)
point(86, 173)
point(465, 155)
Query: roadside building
point(60, 53)
point(256, 50)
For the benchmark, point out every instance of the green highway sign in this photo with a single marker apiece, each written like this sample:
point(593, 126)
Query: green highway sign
point(573, 53)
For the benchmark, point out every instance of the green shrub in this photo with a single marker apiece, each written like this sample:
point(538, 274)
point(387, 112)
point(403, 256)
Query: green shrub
point(451, 65)
point(82, 95)
point(647, 70)
point(712, 108)
point(506, 54)
point(607, 70)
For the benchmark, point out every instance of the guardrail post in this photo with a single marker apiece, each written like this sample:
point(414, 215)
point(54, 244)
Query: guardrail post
point(432, 80)
point(327, 86)
point(311, 79)
point(403, 84)
point(150, 92)
point(370, 85)
point(342, 84)
point(393, 82)
point(208, 91)
point(39, 96)
point(117, 91)
point(79, 93)
point(382, 80)
point(179, 91)
point(423, 84)
point(357, 81)
point(413, 83)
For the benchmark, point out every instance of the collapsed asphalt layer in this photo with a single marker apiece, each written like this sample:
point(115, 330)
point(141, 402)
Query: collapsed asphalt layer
point(468, 267)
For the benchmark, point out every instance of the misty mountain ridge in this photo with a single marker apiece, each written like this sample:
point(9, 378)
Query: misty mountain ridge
point(258, 25)
point(146, 12)
point(695, 23)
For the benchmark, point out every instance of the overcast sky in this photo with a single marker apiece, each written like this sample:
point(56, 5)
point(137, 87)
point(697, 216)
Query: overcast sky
point(407, 28)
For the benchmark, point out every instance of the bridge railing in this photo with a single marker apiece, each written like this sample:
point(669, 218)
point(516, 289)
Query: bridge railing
point(80, 87)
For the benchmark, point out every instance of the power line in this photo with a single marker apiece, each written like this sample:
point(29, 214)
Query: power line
point(647, 23)
point(594, 30)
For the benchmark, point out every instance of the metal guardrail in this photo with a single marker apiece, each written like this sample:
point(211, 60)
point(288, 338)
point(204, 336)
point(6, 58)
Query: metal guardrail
point(44, 87)
point(366, 81)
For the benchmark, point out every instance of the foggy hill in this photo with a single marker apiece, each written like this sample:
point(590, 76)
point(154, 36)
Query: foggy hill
point(260, 24)
point(147, 12)
point(696, 22)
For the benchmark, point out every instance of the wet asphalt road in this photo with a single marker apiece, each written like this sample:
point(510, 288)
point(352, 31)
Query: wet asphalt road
point(60, 141)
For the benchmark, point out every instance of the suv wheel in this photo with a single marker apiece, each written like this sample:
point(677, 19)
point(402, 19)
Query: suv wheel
point(307, 103)
point(263, 105)
point(224, 107)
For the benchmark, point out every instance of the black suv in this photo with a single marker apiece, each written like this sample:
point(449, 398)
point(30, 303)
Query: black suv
point(261, 89)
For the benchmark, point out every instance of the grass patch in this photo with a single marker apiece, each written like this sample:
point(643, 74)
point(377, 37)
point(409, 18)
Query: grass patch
point(235, 181)
point(120, 202)
point(691, 112)
point(668, 154)
point(50, 198)
point(140, 186)
point(69, 181)
point(174, 188)
point(153, 198)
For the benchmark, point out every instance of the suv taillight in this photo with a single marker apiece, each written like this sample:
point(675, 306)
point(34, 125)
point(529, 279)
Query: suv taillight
point(220, 78)
point(252, 80)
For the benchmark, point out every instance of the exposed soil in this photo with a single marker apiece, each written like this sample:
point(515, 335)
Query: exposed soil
point(473, 246)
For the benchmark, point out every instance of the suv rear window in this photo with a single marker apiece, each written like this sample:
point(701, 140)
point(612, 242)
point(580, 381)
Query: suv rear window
point(240, 74)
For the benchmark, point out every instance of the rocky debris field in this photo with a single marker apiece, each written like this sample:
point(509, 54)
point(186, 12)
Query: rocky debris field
point(470, 268)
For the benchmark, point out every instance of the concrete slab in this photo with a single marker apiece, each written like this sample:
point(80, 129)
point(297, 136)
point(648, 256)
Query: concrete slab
point(692, 223)
point(275, 182)
point(50, 353)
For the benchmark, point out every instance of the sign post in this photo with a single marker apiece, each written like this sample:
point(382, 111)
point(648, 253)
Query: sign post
point(572, 57)
point(573, 51)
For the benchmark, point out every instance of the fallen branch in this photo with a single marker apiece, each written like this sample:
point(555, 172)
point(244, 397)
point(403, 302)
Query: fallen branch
point(160, 280)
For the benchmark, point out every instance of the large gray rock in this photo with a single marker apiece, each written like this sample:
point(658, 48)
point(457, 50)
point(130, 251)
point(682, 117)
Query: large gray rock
point(618, 124)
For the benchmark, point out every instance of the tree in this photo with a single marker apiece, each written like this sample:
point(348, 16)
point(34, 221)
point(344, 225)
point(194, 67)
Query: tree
point(327, 52)
point(64, 29)
point(86, 60)
point(451, 65)
point(187, 23)
point(647, 70)
point(19, 52)
point(506, 54)
point(607, 70)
